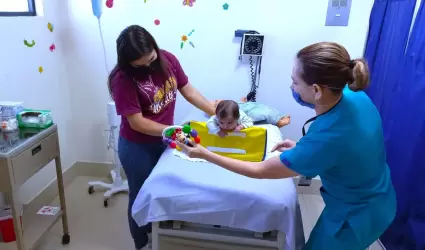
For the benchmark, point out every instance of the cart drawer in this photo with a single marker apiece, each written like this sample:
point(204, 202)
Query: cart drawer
point(35, 158)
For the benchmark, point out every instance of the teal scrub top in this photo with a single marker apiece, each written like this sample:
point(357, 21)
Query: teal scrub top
point(345, 147)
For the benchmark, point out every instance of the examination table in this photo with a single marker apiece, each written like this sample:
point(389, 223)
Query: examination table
point(198, 205)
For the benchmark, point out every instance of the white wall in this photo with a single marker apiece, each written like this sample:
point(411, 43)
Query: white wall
point(212, 66)
point(21, 81)
point(73, 84)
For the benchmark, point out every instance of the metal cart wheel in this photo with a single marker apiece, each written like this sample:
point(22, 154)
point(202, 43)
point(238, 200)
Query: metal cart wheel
point(66, 239)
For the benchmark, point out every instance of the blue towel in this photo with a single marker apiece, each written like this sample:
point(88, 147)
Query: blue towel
point(261, 113)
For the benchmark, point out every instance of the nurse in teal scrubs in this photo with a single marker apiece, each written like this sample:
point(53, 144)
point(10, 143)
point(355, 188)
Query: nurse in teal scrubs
point(344, 145)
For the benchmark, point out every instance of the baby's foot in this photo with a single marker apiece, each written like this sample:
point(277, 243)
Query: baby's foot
point(284, 121)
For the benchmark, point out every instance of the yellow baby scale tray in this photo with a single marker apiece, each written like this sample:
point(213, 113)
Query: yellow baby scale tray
point(249, 144)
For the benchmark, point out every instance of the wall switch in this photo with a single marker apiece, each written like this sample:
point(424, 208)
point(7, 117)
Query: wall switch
point(338, 12)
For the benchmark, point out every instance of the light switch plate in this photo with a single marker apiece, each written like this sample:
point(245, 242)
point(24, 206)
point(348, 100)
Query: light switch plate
point(338, 12)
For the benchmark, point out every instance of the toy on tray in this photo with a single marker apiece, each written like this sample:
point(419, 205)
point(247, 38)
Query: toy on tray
point(181, 134)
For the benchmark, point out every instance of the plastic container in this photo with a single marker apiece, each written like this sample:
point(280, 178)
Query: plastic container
point(11, 137)
point(9, 124)
point(7, 229)
point(9, 109)
point(33, 118)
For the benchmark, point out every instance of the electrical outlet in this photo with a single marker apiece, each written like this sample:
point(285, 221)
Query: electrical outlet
point(338, 12)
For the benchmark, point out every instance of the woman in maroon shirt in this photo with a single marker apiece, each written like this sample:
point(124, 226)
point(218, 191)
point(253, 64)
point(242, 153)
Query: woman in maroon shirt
point(144, 86)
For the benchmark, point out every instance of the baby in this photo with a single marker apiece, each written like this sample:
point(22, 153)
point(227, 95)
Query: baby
point(228, 118)
point(261, 113)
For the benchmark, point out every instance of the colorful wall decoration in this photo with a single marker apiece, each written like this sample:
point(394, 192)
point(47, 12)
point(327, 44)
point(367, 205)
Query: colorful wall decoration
point(189, 2)
point(29, 44)
point(50, 27)
point(109, 3)
point(185, 39)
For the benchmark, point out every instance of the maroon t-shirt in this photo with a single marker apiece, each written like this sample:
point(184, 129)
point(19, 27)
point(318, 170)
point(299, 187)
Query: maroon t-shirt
point(154, 96)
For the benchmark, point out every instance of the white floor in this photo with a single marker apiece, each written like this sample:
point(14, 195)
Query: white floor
point(93, 227)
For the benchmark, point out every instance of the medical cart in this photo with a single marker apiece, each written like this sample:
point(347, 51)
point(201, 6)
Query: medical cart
point(23, 153)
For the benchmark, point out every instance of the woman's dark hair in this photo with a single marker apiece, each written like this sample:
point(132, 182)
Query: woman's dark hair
point(227, 108)
point(329, 64)
point(133, 43)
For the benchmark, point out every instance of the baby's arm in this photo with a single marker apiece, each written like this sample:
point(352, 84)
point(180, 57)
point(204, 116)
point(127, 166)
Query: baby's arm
point(212, 125)
point(245, 120)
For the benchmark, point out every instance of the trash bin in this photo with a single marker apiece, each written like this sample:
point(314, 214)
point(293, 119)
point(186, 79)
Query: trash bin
point(7, 230)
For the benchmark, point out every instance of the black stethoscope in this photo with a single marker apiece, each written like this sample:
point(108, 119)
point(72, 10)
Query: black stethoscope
point(308, 121)
point(315, 117)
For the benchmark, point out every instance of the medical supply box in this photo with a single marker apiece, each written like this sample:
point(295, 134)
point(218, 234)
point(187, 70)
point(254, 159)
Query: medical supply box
point(33, 118)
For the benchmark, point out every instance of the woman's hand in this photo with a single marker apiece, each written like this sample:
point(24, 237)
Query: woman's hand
point(195, 150)
point(284, 145)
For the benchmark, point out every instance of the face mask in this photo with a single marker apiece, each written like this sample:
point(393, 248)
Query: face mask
point(145, 70)
point(299, 100)
point(142, 70)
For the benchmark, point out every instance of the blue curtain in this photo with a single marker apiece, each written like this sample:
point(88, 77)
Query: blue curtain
point(411, 83)
point(397, 89)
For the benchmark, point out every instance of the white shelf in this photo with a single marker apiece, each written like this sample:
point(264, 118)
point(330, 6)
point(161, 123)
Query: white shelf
point(35, 226)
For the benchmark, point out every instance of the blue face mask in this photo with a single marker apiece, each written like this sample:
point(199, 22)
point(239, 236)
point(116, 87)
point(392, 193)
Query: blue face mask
point(300, 101)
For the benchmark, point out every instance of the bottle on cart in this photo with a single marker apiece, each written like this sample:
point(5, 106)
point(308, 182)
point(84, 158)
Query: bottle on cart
point(9, 111)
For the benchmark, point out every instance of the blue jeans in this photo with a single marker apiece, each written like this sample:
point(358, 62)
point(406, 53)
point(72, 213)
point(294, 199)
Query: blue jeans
point(138, 161)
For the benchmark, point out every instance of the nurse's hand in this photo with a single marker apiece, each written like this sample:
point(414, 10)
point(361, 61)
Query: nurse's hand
point(194, 150)
point(284, 145)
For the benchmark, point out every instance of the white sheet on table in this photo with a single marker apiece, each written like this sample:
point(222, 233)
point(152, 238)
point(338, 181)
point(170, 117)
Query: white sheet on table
point(185, 157)
point(203, 193)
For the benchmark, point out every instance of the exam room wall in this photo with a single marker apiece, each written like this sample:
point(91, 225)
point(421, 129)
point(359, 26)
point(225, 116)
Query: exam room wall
point(21, 81)
point(212, 66)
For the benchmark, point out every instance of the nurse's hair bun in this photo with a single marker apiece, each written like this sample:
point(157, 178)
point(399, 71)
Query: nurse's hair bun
point(359, 78)
point(329, 64)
